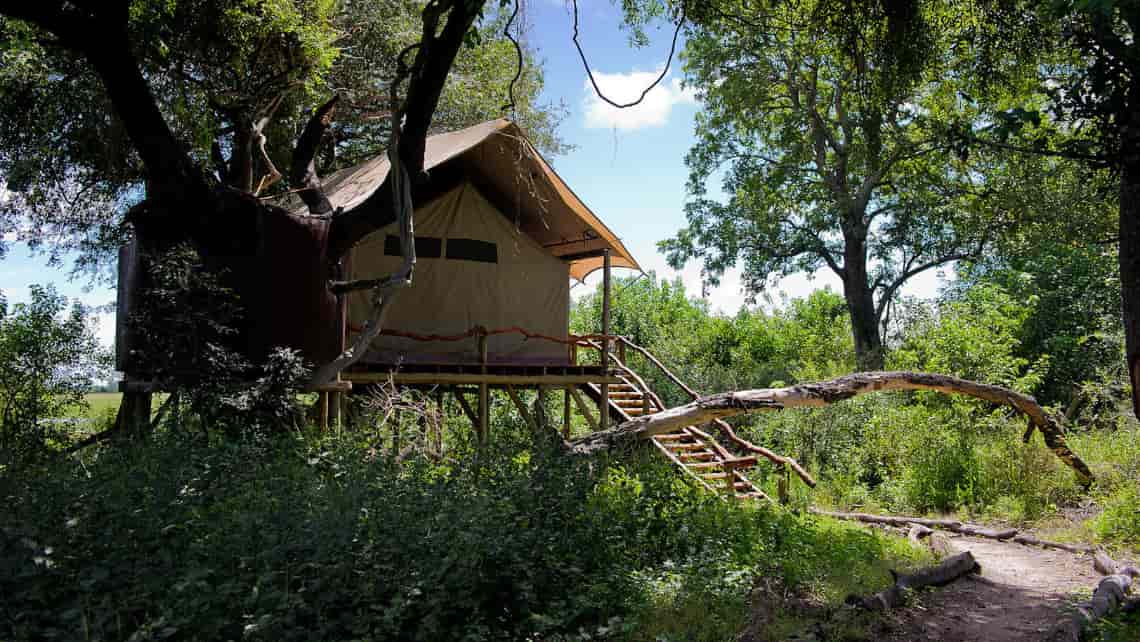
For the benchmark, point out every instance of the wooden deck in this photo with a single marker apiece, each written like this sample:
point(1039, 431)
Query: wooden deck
point(493, 374)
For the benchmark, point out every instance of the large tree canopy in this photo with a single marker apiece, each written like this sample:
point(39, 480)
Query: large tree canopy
point(223, 72)
point(831, 157)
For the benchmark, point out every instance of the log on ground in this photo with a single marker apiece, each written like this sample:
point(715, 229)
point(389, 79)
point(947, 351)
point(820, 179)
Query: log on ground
point(945, 572)
point(1110, 594)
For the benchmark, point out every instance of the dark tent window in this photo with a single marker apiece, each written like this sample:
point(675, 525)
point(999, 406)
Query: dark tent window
point(427, 247)
point(472, 250)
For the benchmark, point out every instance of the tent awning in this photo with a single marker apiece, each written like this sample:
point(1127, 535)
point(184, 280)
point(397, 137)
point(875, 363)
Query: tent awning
point(501, 161)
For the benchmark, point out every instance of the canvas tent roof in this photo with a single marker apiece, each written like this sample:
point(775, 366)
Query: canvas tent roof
point(499, 159)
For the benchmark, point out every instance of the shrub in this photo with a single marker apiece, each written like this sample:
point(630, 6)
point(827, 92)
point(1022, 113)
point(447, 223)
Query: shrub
point(292, 538)
point(1120, 520)
point(49, 357)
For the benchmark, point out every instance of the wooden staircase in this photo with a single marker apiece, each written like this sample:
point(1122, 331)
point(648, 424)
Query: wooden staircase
point(708, 463)
point(691, 449)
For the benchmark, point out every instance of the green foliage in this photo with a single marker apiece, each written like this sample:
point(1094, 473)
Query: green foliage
point(213, 67)
point(1120, 520)
point(826, 132)
point(300, 538)
point(49, 357)
point(808, 339)
point(973, 336)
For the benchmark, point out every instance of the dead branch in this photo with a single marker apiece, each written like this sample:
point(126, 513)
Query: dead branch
point(824, 393)
point(954, 526)
point(945, 572)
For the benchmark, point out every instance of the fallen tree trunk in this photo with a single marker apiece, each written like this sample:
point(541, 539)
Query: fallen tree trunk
point(947, 571)
point(1110, 594)
point(1029, 540)
point(814, 395)
point(954, 526)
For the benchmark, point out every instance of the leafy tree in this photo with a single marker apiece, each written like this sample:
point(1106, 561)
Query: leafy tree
point(712, 352)
point(1086, 108)
point(831, 159)
point(224, 74)
point(269, 54)
point(49, 357)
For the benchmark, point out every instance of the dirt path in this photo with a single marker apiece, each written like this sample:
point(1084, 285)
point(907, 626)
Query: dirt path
point(1020, 595)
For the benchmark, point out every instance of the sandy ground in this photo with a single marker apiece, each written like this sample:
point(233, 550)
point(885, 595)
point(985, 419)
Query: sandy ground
point(1022, 593)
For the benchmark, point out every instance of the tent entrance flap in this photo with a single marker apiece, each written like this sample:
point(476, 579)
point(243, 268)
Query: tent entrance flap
point(473, 268)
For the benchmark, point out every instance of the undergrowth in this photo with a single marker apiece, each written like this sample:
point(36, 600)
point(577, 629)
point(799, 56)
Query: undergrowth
point(300, 537)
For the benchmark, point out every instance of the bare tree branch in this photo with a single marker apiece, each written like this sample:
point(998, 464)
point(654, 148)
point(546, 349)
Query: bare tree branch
point(824, 393)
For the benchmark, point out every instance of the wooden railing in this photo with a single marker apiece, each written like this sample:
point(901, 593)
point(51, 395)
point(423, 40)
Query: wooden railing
point(784, 463)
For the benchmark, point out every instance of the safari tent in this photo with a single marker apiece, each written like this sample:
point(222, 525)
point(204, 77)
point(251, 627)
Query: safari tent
point(499, 236)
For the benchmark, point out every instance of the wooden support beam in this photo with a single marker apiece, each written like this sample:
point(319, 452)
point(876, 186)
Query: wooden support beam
point(475, 378)
point(604, 403)
point(466, 407)
point(566, 412)
point(521, 407)
point(324, 411)
point(334, 408)
point(584, 408)
point(484, 412)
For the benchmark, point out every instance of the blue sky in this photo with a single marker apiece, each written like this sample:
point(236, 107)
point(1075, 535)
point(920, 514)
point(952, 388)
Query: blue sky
point(627, 165)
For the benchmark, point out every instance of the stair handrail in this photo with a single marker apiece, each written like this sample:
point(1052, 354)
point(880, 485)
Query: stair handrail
point(660, 366)
point(645, 389)
point(723, 425)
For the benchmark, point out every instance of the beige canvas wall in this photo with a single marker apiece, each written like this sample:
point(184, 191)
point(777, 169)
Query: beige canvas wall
point(527, 287)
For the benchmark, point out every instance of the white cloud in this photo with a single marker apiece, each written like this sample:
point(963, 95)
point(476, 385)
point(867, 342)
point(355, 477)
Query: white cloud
point(653, 111)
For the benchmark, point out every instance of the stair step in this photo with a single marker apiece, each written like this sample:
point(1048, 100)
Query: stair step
point(633, 403)
point(704, 464)
point(686, 446)
point(625, 394)
point(672, 436)
point(701, 456)
point(753, 495)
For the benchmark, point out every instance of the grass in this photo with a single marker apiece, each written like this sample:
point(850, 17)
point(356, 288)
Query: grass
point(100, 403)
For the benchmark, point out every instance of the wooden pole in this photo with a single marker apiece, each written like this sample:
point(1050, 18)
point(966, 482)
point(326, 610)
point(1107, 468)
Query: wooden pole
point(604, 404)
point(521, 407)
point(566, 412)
point(484, 393)
point(437, 438)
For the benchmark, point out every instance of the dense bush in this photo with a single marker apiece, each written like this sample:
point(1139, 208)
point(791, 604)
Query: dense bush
point(912, 452)
point(295, 538)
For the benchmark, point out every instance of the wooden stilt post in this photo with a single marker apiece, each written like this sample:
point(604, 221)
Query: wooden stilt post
point(604, 404)
point(437, 437)
point(466, 407)
point(539, 411)
point(566, 412)
point(484, 412)
point(324, 416)
point(484, 393)
point(134, 411)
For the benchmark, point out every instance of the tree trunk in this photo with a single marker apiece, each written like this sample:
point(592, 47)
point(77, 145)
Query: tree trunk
point(861, 301)
point(1130, 241)
point(815, 395)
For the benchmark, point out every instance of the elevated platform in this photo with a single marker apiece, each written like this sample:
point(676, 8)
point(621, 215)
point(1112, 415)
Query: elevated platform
point(494, 375)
